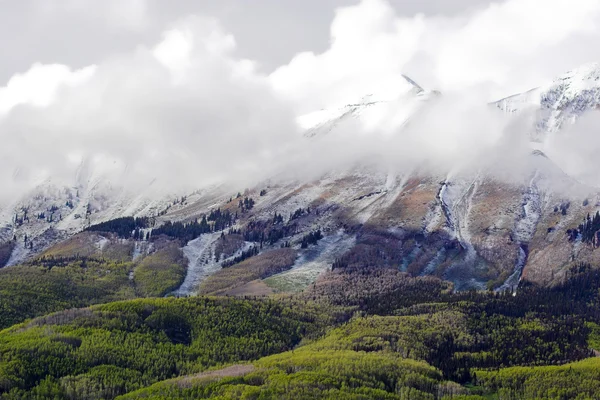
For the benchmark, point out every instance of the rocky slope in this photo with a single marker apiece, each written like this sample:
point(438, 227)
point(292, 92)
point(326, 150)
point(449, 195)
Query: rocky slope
point(470, 228)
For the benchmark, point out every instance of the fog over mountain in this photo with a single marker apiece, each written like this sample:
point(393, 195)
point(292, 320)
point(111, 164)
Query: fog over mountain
point(277, 199)
point(187, 110)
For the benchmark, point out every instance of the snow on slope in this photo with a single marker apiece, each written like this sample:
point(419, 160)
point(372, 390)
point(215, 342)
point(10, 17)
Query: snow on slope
point(456, 198)
point(312, 262)
point(53, 212)
point(361, 193)
point(525, 228)
point(369, 109)
point(560, 102)
point(202, 262)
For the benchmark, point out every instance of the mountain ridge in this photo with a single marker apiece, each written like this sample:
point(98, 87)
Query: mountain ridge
point(467, 227)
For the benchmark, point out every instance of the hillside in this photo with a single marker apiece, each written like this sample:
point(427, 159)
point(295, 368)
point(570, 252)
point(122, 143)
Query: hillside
point(473, 228)
point(410, 337)
point(365, 282)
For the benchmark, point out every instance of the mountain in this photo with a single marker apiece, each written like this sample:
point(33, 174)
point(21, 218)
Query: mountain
point(471, 227)
point(560, 102)
point(369, 106)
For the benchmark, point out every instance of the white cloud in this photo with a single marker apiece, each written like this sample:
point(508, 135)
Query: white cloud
point(187, 110)
point(507, 47)
point(174, 51)
point(184, 112)
point(507, 44)
point(576, 149)
point(369, 48)
point(40, 85)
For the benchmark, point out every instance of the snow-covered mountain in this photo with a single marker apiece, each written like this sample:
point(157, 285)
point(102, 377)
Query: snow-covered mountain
point(560, 102)
point(368, 109)
point(468, 227)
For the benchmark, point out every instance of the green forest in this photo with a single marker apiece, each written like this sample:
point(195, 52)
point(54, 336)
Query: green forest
point(55, 282)
point(95, 326)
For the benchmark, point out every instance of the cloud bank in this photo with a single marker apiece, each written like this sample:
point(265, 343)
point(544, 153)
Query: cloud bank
point(505, 48)
point(184, 113)
point(188, 111)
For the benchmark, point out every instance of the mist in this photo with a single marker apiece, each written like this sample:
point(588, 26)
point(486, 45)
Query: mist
point(188, 111)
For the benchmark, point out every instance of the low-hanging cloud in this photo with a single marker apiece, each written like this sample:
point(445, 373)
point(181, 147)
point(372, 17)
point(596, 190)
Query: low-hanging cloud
point(508, 47)
point(187, 111)
point(183, 113)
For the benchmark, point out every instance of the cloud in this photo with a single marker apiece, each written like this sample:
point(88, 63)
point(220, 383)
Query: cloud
point(515, 43)
point(369, 48)
point(472, 57)
point(183, 113)
point(503, 48)
point(188, 111)
point(39, 86)
point(576, 148)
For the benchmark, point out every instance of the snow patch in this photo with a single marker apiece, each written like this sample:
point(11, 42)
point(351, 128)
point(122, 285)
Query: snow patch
point(101, 243)
point(202, 262)
point(312, 262)
point(456, 200)
point(525, 228)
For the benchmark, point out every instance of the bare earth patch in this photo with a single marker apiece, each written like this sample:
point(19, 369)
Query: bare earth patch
point(262, 266)
point(229, 372)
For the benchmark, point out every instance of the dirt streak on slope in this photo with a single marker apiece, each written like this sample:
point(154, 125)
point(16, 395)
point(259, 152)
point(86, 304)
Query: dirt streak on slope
point(229, 372)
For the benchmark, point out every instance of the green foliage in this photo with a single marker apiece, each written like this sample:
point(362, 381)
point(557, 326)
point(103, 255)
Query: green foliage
point(185, 231)
point(579, 380)
point(309, 374)
point(409, 338)
point(457, 332)
point(54, 283)
point(588, 230)
point(29, 291)
point(124, 227)
point(161, 272)
point(5, 252)
point(413, 337)
point(594, 336)
point(122, 346)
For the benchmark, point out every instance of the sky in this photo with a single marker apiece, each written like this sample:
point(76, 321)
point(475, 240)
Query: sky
point(83, 32)
point(195, 91)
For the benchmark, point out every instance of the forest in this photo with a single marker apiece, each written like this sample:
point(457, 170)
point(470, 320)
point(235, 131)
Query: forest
point(96, 326)
point(56, 282)
point(257, 231)
point(104, 351)
point(124, 227)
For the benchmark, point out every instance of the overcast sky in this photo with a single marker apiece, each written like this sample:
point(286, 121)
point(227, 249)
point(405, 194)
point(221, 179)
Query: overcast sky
point(84, 32)
point(164, 89)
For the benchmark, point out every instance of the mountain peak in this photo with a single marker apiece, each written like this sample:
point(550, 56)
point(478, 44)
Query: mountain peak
point(323, 121)
point(576, 82)
point(416, 86)
point(563, 101)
